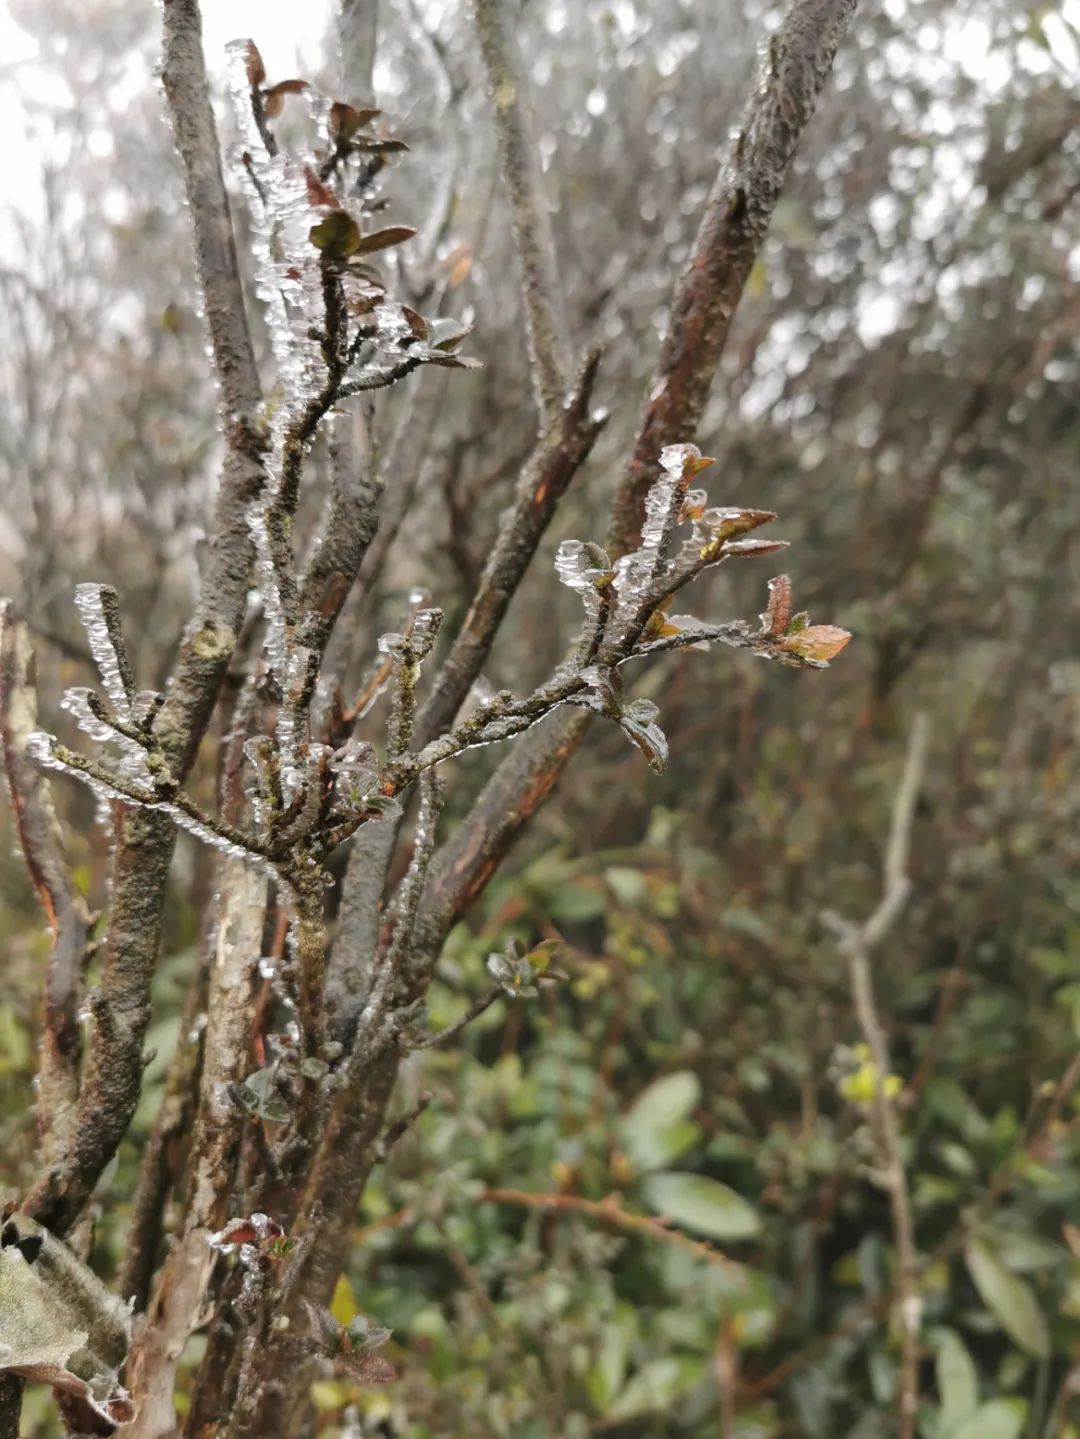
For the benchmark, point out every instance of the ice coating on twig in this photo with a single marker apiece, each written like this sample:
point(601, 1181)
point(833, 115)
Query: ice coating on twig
point(99, 611)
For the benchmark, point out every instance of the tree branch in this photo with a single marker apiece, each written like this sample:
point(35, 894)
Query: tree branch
point(41, 841)
point(794, 70)
point(173, 1311)
point(542, 485)
point(532, 225)
point(144, 840)
point(732, 230)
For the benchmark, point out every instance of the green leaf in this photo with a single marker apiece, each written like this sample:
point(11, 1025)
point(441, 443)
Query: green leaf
point(1011, 1301)
point(338, 235)
point(653, 1387)
point(957, 1381)
point(1000, 1419)
point(605, 1377)
point(702, 1204)
point(655, 1129)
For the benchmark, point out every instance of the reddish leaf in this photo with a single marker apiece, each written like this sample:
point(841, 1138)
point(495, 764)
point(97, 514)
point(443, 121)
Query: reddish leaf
point(345, 120)
point(417, 324)
point(779, 611)
point(274, 98)
point(253, 64)
point(373, 1370)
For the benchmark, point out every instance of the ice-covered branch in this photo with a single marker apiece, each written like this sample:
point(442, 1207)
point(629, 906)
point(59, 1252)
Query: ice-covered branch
point(794, 68)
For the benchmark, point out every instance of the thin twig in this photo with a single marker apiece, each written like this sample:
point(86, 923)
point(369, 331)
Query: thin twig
point(610, 1211)
point(473, 1012)
point(859, 941)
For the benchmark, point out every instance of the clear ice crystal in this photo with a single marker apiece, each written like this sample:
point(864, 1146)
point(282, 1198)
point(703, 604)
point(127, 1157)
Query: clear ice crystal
point(100, 614)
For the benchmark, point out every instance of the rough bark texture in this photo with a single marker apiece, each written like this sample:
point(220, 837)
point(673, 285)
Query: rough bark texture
point(179, 1293)
point(144, 840)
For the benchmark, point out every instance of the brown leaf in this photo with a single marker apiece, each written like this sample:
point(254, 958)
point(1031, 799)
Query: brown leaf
point(458, 264)
point(417, 324)
point(383, 239)
point(345, 120)
point(817, 642)
point(253, 64)
point(372, 1370)
point(274, 98)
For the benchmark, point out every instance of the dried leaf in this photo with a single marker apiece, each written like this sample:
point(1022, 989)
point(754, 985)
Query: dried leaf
point(59, 1325)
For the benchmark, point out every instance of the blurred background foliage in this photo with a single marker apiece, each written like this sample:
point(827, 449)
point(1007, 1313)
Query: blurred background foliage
point(715, 1256)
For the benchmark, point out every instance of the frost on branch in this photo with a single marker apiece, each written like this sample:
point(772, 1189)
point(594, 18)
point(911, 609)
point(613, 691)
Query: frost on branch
point(335, 330)
point(627, 606)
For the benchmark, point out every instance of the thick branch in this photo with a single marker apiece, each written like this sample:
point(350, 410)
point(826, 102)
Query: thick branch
point(144, 841)
point(163, 1154)
point(179, 1293)
point(532, 225)
point(794, 70)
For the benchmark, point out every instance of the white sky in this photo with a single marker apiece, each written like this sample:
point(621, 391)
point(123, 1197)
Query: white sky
point(289, 36)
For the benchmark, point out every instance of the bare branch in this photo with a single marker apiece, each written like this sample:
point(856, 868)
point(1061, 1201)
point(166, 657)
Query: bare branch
point(161, 1159)
point(859, 941)
point(42, 845)
point(532, 225)
point(144, 840)
point(734, 225)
